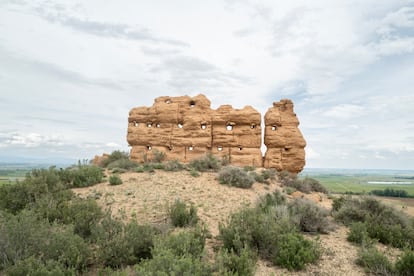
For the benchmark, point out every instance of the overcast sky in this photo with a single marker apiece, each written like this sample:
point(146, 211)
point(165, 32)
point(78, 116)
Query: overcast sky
point(70, 71)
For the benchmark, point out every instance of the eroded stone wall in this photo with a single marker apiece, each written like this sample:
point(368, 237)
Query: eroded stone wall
point(283, 139)
point(185, 128)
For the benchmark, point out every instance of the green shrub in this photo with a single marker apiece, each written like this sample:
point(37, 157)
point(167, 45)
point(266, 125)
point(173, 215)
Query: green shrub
point(358, 233)
point(139, 169)
point(257, 177)
point(230, 263)
point(114, 156)
point(186, 243)
point(15, 197)
point(269, 174)
point(235, 176)
point(374, 262)
point(125, 164)
point(173, 166)
point(249, 168)
point(181, 215)
point(66, 247)
point(289, 190)
point(24, 235)
point(114, 179)
point(205, 163)
point(84, 214)
point(350, 210)
point(165, 263)
point(314, 185)
point(178, 254)
point(35, 266)
point(305, 185)
point(405, 264)
point(121, 245)
point(294, 251)
point(140, 239)
point(270, 200)
point(83, 175)
point(158, 156)
point(337, 203)
point(384, 223)
point(194, 173)
point(309, 217)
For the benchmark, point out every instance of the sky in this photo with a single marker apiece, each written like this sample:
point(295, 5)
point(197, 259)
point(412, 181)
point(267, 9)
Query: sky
point(70, 71)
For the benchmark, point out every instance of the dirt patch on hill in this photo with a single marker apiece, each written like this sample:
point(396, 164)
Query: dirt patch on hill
point(146, 197)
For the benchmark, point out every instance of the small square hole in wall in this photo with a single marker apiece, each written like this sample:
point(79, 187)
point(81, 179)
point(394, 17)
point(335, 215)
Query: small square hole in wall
point(190, 148)
point(274, 128)
point(192, 104)
point(149, 148)
point(252, 126)
point(149, 124)
point(158, 125)
point(135, 123)
point(219, 148)
point(229, 127)
point(240, 148)
point(180, 125)
point(203, 126)
point(168, 101)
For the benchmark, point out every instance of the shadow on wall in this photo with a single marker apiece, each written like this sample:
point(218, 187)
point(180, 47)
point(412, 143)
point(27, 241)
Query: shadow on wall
point(184, 128)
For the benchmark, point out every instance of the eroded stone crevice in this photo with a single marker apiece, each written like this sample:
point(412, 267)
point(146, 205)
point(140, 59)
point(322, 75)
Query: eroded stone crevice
point(185, 128)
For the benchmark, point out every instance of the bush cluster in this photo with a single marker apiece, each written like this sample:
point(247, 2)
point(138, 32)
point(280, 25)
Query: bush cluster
point(272, 230)
point(391, 193)
point(382, 222)
point(376, 263)
point(305, 185)
point(265, 175)
point(114, 179)
point(235, 176)
point(181, 215)
point(173, 166)
point(207, 162)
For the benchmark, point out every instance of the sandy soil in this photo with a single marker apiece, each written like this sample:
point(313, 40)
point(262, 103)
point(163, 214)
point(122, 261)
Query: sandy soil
point(146, 197)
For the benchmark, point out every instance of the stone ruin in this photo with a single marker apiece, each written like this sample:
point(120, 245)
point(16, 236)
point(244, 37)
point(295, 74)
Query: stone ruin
point(185, 128)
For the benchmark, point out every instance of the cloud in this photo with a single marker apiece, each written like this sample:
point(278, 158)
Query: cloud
point(343, 111)
point(188, 73)
point(59, 14)
point(30, 140)
point(53, 70)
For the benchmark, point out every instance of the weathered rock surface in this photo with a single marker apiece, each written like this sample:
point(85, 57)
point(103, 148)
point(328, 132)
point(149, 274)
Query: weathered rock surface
point(283, 139)
point(185, 128)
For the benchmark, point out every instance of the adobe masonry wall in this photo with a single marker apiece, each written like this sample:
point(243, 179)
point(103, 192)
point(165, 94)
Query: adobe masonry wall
point(185, 128)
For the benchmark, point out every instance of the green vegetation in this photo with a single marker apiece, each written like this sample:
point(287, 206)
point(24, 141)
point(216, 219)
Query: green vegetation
point(405, 264)
point(207, 162)
point(391, 193)
point(305, 185)
point(181, 215)
point(374, 262)
point(115, 180)
point(235, 176)
point(272, 230)
point(371, 221)
point(382, 222)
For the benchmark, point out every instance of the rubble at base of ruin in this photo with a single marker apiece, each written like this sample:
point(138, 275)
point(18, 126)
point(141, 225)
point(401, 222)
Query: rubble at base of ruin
point(185, 128)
